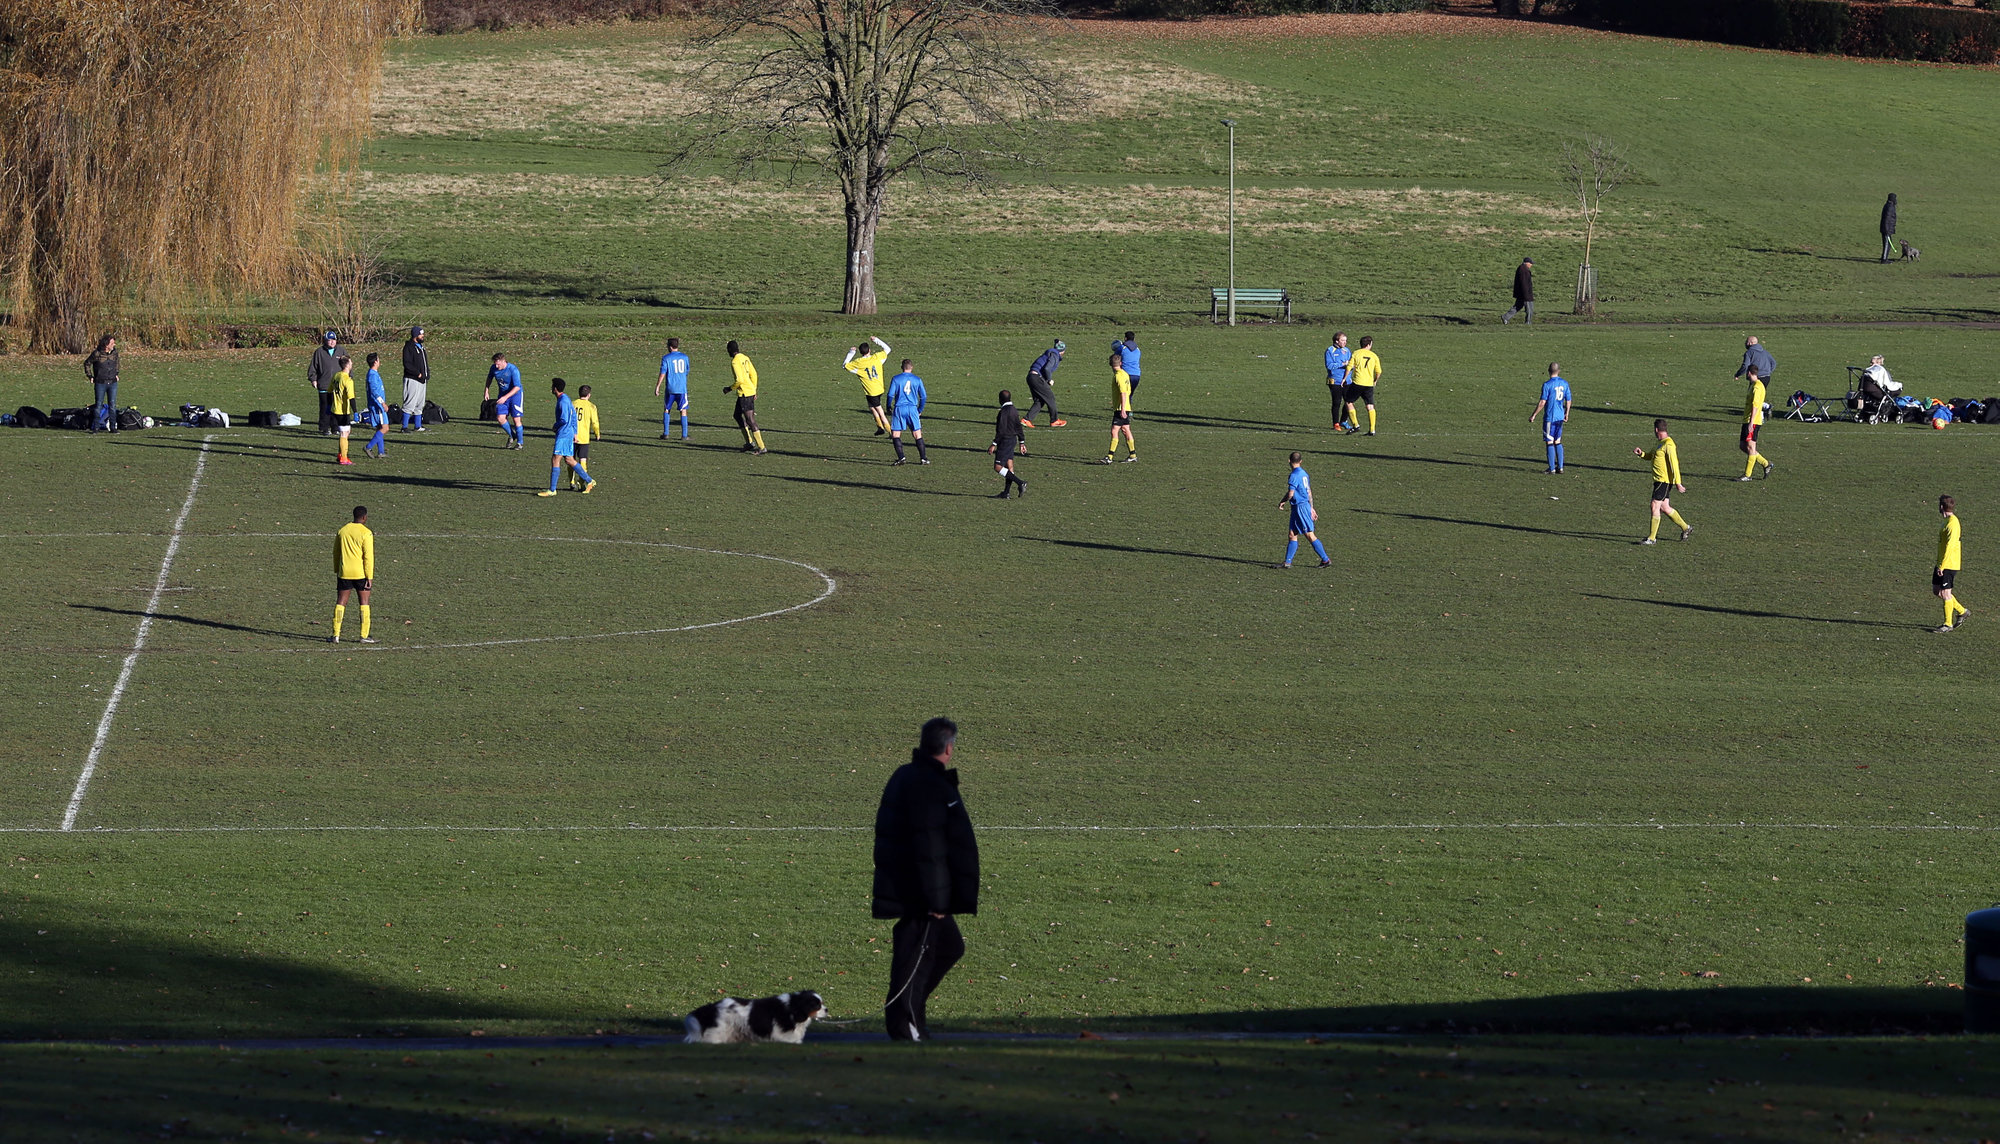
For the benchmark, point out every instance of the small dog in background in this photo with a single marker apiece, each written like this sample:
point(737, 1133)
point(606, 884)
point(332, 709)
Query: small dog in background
point(782, 1018)
point(1911, 253)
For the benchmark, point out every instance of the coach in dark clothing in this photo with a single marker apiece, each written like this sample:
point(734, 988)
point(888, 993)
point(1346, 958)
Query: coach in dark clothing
point(416, 379)
point(926, 870)
point(1758, 358)
point(1524, 292)
point(1042, 383)
point(319, 374)
point(1888, 225)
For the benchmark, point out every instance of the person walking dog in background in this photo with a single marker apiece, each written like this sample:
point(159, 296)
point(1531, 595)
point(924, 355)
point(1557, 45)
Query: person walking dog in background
point(1524, 292)
point(926, 871)
point(1888, 226)
point(101, 367)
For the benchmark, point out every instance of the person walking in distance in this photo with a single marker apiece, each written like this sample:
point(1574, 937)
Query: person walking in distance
point(1337, 358)
point(1888, 227)
point(674, 384)
point(1305, 519)
point(867, 365)
point(416, 380)
point(926, 873)
point(1009, 433)
point(1944, 577)
point(1666, 480)
point(744, 385)
point(319, 375)
point(1524, 292)
point(1553, 409)
point(906, 408)
point(1756, 357)
point(101, 367)
point(1042, 386)
point(353, 570)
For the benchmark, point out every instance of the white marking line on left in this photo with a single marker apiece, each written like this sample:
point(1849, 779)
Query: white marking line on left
point(138, 643)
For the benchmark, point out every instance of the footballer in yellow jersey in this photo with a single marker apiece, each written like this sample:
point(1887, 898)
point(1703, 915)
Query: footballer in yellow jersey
point(1364, 369)
point(1121, 411)
point(1753, 420)
point(588, 428)
point(1666, 480)
point(340, 397)
point(744, 386)
point(1944, 577)
point(353, 570)
point(868, 367)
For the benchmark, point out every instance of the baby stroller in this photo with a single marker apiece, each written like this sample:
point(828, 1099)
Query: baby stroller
point(1871, 394)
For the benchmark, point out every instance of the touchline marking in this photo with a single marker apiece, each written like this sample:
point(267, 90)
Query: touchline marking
point(138, 642)
point(636, 828)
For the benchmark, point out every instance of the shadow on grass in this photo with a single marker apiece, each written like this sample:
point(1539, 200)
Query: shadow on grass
point(1095, 545)
point(1189, 420)
point(1756, 613)
point(423, 482)
point(196, 621)
point(1579, 535)
point(868, 485)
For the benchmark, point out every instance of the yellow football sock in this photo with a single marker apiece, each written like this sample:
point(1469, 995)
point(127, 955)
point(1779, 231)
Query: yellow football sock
point(339, 616)
point(1113, 450)
point(364, 621)
point(1750, 465)
point(1677, 518)
point(759, 435)
point(1951, 607)
point(1655, 533)
point(1763, 460)
point(343, 448)
point(1371, 420)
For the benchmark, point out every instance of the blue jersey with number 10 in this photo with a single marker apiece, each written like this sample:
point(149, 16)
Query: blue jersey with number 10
point(675, 366)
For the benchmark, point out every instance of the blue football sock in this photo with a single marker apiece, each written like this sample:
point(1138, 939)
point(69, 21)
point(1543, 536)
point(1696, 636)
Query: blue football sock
point(420, 421)
point(583, 474)
point(1559, 455)
point(1321, 549)
point(406, 419)
point(684, 425)
point(666, 422)
point(554, 472)
point(1291, 550)
point(376, 442)
point(1550, 452)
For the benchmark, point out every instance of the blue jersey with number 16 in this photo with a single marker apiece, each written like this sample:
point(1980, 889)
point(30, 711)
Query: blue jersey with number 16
point(1556, 395)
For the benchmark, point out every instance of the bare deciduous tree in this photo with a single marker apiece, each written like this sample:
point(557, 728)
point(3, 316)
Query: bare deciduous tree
point(868, 91)
point(1591, 171)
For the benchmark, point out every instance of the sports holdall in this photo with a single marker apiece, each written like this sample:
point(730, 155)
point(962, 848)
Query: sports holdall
point(434, 414)
point(1992, 414)
point(130, 418)
point(29, 417)
point(71, 418)
point(263, 419)
point(489, 410)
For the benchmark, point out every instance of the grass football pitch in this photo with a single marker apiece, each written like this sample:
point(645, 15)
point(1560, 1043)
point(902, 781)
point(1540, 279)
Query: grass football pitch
point(1498, 770)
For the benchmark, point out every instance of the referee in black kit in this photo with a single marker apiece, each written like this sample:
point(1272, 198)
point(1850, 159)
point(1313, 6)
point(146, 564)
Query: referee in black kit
point(926, 870)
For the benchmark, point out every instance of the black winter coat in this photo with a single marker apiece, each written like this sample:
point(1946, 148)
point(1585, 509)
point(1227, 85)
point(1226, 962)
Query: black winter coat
point(926, 858)
point(1524, 283)
point(416, 360)
point(1889, 217)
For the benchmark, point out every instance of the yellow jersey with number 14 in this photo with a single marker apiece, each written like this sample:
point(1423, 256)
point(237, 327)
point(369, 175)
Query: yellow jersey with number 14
point(868, 368)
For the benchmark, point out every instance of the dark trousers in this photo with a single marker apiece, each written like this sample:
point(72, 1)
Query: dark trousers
point(1888, 247)
point(325, 412)
point(1521, 305)
point(925, 949)
point(106, 393)
point(1043, 395)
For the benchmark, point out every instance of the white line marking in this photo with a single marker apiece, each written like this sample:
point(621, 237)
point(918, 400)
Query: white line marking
point(634, 828)
point(138, 642)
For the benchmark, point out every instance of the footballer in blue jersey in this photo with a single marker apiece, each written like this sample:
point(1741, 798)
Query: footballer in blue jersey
point(565, 430)
point(378, 409)
point(906, 406)
point(1304, 522)
point(1128, 357)
point(1337, 357)
point(1553, 410)
point(506, 379)
point(674, 383)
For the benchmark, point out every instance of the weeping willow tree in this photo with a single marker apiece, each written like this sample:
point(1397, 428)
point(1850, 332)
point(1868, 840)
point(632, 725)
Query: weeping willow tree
point(158, 153)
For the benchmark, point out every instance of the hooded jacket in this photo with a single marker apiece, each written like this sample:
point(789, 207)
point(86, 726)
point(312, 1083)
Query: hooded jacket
point(416, 360)
point(926, 858)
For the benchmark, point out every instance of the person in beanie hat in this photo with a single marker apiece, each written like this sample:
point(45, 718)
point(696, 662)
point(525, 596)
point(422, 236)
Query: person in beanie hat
point(416, 379)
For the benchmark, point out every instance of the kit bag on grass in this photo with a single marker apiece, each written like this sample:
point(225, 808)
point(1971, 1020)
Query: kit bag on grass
point(29, 417)
point(489, 410)
point(435, 414)
point(394, 413)
point(263, 419)
point(1992, 414)
point(70, 418)
point(130, 418)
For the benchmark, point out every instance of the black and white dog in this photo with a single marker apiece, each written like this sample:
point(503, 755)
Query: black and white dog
point(781, 1018)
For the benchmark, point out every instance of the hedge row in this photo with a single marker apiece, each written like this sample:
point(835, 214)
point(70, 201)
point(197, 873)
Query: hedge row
point(1190, 9)
point(1941, 35)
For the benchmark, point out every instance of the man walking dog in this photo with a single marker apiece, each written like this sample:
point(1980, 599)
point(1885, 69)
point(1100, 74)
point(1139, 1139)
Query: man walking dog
point(926, 871)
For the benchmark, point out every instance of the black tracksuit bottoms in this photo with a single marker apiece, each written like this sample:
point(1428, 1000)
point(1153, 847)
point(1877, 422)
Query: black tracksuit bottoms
point(925, 949)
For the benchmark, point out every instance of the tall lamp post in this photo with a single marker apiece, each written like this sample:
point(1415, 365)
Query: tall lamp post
point(1231, 124)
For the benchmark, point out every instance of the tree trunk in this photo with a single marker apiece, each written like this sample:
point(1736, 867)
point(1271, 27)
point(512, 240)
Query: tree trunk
point(862, 219)
point(61, 289)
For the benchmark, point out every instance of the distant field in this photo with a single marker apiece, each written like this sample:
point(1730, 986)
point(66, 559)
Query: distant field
point(1395, 176)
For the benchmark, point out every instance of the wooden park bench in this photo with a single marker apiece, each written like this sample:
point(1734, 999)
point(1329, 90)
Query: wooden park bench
point(1273, 300)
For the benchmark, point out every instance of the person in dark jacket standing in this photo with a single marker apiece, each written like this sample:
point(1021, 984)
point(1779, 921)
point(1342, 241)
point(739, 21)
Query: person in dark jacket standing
point(1524, 292)
point(319, 375)
point(1756, 357)
point(1888, 225)
point(101, 367)
point(1042, 385)
point(1009, 438)
point(926, 871)
point(416, 378)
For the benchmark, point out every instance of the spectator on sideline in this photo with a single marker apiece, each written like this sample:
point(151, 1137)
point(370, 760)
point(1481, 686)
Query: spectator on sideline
point(1755, 356)
point(1888, 226)
point(101, 367)
point(1524, 292)
point(319, 375)
point(1042, 386)
point(926, 871)
point(416, 379)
